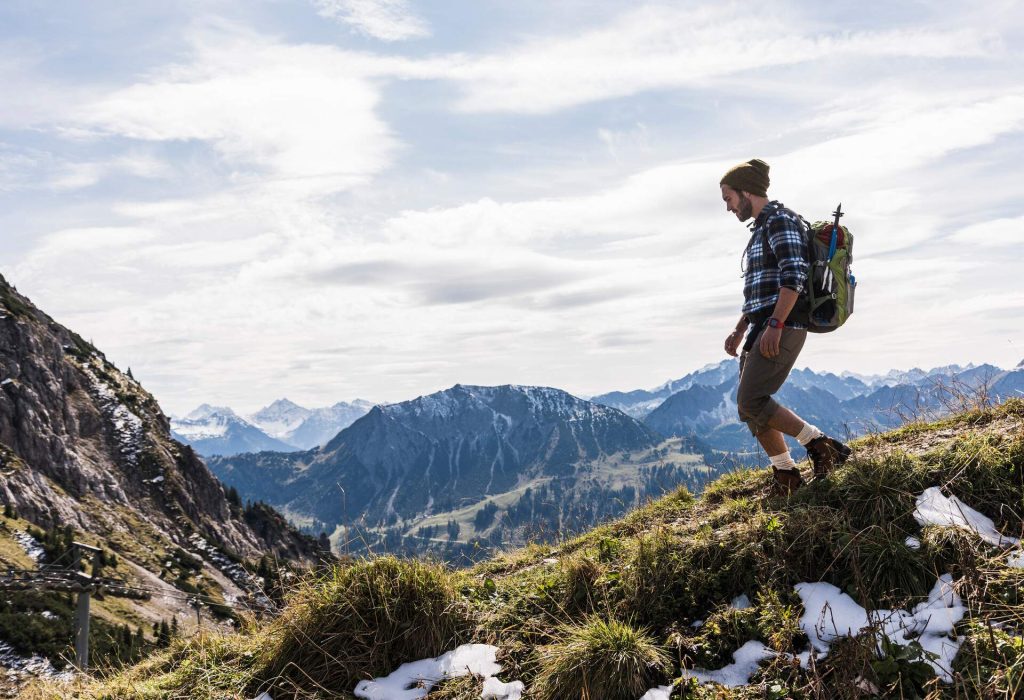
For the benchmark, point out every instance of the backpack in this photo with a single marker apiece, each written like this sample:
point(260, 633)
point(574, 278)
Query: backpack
point(830, 283)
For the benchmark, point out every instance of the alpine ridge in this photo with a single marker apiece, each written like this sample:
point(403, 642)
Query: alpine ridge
point(460, 448)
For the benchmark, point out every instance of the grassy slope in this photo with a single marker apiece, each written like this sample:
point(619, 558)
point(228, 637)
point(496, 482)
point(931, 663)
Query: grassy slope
point(656, 570)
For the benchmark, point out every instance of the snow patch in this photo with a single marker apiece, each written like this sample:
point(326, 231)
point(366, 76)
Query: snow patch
point(242, 578)
point(746, 660)
point(660, 693)
point(415, 679)
point(1016, 560)
point(30, 544)
point(128, 427)
point(741, 602)
point(933, 508)
point(913, 543)
point(830, 614)
point(21, 668)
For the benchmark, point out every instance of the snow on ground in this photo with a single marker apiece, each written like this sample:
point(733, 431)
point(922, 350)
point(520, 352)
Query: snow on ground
point(830, 614)
point(128, 427)
point(1016, 560)
point(660, 693)
point(20, 668)
point(234, 571)
point(415, 679)
point(745, 662)
point(741, 602)
point(913, 543)
point(30, 544)
point(933, 508)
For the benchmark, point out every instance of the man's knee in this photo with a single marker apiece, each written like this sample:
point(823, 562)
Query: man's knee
point(750, 405)
point(756, 410)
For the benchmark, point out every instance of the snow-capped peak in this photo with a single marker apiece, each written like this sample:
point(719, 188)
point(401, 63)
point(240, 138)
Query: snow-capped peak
point(280, 418)
point(205, 411)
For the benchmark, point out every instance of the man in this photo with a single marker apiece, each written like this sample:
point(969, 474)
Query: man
point(775, 311)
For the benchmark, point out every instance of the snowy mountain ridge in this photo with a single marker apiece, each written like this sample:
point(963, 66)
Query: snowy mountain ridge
point(282, 425)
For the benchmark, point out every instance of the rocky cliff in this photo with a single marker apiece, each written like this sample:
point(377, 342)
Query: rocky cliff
point(84, 444)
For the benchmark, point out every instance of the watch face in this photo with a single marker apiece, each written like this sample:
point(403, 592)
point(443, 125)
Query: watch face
point(774, 322)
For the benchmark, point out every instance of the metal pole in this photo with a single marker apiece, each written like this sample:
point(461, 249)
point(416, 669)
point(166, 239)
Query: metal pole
point(82, 631)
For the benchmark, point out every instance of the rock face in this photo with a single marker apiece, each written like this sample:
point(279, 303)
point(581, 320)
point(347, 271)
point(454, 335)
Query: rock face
point(83, 444)
point(431, 453)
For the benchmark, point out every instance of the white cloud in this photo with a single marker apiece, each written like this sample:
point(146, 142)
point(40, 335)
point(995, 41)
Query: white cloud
point(72, 242)
point(999, 233)
point(659, 47)
point(389, 20)
point(296, 114)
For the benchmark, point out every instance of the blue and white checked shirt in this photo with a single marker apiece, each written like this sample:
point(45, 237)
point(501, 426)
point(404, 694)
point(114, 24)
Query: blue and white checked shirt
point(775, 257)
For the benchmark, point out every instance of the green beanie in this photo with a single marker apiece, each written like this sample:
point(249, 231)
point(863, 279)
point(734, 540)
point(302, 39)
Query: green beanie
point(751, 177)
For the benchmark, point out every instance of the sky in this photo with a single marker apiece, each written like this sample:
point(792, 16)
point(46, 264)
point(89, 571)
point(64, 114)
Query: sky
point(243, 200)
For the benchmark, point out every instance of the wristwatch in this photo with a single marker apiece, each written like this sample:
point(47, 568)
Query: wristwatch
point(776, 323)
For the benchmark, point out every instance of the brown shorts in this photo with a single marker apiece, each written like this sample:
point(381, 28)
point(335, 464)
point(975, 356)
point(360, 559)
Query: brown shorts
point(760, 377)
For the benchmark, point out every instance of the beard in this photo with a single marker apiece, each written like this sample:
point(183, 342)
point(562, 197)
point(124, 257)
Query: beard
point(745, 209)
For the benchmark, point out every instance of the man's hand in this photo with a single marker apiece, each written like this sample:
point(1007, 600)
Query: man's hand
point(769, 344)
point(732, 343)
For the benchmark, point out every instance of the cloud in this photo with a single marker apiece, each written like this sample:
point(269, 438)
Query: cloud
point(657, 47)
point(28, 169)
point(75, 241)
point(998, 233)
point(388, 20)
point(300, 115)
point(447, 278)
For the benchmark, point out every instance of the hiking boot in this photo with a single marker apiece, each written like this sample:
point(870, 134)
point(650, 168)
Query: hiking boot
point(826, 454)
point(786, 481)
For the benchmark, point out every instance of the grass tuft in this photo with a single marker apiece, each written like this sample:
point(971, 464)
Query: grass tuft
point(599, 658)
point(363, 621)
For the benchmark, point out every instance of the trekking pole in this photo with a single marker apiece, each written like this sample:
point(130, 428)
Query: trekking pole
point(835, 231)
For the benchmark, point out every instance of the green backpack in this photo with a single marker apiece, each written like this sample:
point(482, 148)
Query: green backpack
point(830, 283)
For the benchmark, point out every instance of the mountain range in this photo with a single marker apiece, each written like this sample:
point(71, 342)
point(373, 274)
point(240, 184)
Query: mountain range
point(475, 463)
point(843, 405)
point(281, 426)
point(446, 457)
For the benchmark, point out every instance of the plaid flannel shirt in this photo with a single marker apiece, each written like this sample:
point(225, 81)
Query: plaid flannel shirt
point(775, 257)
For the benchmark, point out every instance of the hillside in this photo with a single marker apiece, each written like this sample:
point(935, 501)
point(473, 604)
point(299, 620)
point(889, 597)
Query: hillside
point(877, 582)
point(86, 454)
point(467, 468)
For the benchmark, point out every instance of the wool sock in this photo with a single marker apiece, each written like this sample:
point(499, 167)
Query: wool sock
point(783, 461)
point(808, 433)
